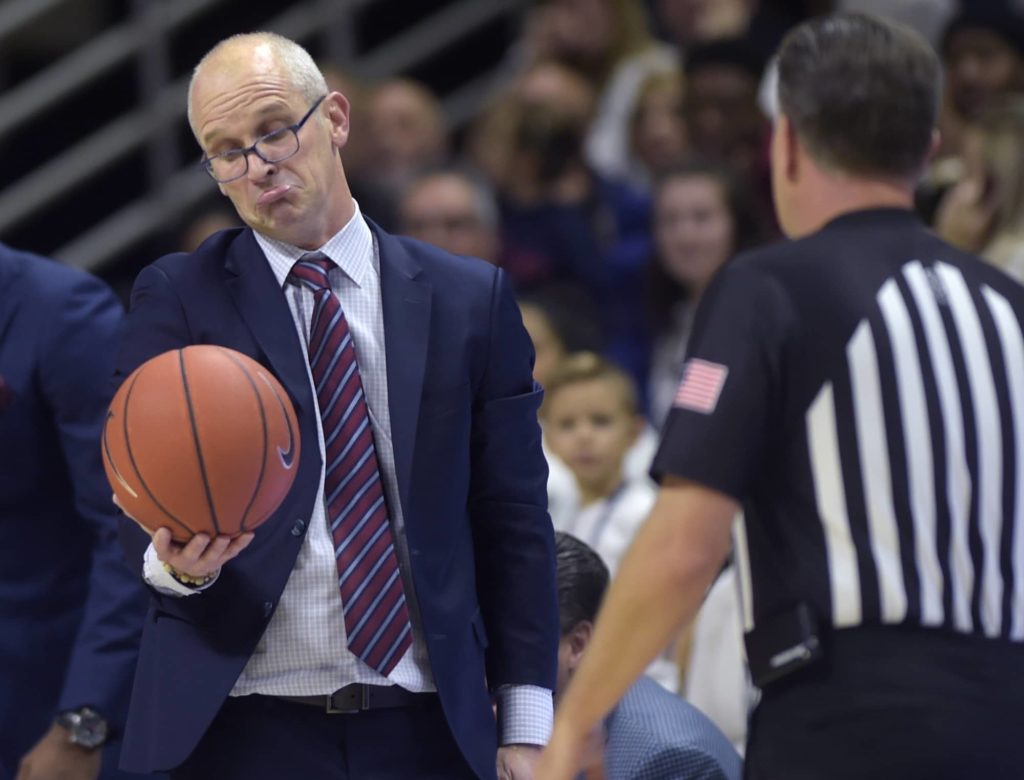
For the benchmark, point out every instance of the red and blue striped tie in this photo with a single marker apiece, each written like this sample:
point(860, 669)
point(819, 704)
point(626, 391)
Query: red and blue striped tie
point(376, 616)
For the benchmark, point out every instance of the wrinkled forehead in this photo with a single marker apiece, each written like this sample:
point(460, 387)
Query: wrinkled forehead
point(240, 82)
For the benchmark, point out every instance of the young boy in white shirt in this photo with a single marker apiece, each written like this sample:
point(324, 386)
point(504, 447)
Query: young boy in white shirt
point(590, 422)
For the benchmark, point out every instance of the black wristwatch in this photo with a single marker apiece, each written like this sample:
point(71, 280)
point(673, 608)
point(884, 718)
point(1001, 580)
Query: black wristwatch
point(87, 728)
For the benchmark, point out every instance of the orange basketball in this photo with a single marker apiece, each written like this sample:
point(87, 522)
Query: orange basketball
point(201, 440)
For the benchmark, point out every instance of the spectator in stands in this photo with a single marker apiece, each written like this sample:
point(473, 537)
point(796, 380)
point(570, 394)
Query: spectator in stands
point(982, 52)
point(405, 135)
point(549, 345)
point(548, 213)
point(610, 43)
point(561, 320)
point(657, 132)
point(454, 211)
point(690, 22)
point(357, 150)
point(591, 36)
point(723, 118)
point(70, 610)
point(591, 420)
point(762, 23)
point(592, 424)
point(651, 734)
point(407, 130)
point(701, 218)
point(562, 222)
point(984, 212)
point(374, 198)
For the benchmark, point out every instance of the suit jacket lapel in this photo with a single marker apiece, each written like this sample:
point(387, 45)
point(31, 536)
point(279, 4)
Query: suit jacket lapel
point(265, 310)
point(406, 302)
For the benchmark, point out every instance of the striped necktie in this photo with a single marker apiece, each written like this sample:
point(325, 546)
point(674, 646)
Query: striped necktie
point(376, 616)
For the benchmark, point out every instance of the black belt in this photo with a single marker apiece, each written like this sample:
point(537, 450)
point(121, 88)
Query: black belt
point(359, 697)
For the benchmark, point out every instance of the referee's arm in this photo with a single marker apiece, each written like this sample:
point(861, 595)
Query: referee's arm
point(660, 586)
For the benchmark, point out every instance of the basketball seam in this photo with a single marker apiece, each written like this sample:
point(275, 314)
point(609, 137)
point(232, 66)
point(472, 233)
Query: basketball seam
point(263, 422)
point(135, 466)
point(108, 456)
point(195, 438)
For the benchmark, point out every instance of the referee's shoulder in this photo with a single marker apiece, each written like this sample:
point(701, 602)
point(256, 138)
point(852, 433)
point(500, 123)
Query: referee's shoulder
point(783, 254)
point(765, 265)
point(985, 274)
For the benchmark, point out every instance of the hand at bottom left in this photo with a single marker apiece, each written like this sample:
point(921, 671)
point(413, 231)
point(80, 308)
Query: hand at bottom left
point(55, 757)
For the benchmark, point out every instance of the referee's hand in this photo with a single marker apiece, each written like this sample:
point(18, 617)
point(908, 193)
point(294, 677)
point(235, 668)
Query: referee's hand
point(567, 755)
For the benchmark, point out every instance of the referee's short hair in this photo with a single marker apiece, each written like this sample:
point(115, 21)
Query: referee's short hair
point(862, 93)
point(582, 580)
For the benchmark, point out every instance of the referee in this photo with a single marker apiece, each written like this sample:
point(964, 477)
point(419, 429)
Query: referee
point(858, 393)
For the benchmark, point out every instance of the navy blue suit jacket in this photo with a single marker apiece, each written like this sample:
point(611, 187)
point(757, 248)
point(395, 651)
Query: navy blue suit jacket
point(70, 610)
point(654, 735)
point(471, 476)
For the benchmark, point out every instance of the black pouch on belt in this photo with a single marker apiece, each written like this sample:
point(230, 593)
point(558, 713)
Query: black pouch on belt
point(782, 644)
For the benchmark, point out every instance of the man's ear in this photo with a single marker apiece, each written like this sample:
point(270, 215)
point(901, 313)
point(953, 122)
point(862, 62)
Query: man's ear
point(338, 109)
point(579, 638)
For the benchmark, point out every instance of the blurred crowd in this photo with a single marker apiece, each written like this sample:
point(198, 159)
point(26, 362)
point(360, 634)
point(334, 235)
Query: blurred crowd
point(622, 161)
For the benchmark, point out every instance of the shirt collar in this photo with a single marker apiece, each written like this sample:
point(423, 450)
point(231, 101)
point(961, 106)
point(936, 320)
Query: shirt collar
point(351, 249)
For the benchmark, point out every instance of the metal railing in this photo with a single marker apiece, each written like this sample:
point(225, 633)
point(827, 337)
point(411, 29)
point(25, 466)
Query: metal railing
point(175, 184)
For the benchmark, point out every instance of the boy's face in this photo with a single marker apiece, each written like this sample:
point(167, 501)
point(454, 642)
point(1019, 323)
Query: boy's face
point(588, 426)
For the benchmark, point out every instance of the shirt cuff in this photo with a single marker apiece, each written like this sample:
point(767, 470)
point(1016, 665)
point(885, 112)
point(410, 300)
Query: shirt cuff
point(525, 715)
point(155, 575)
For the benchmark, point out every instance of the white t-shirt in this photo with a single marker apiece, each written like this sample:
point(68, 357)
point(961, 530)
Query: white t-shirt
point(609, 526)
point(564, 496)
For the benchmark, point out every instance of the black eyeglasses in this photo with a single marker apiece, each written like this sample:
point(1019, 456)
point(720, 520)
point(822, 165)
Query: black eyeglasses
point(273, 147)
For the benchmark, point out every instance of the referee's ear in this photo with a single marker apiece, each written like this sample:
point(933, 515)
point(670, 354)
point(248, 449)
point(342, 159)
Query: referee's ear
point(790, 147)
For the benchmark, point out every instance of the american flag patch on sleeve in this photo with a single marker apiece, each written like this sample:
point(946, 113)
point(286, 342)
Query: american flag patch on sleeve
point(702, 384)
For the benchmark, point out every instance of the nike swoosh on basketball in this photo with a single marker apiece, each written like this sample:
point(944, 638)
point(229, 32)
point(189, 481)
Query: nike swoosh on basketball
point(287, 456)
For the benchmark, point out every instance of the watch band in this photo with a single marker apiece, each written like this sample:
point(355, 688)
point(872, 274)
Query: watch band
point(188, 580)
point(86, 727)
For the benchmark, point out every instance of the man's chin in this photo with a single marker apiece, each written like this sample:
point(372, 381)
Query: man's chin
point(275, 217)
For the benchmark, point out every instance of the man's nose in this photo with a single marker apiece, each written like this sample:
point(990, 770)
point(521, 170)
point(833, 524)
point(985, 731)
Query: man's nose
point(259, 168)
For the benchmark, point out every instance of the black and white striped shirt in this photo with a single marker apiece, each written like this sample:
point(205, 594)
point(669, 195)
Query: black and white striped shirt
point(861, 392)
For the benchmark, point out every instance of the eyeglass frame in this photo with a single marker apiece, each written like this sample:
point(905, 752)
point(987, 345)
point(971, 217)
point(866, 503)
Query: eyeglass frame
point(207, 161)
